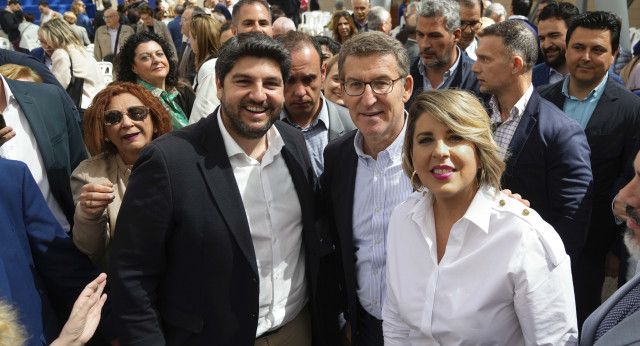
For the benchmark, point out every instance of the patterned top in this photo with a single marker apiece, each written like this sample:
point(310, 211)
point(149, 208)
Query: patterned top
point(167, 97)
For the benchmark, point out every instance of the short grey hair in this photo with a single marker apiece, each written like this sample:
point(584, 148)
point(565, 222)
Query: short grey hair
point(377, 16)
point(517, 39)
point(448, 9)
point(374, 42)
point(339, 5)
point(495, 9)
point(412, 5)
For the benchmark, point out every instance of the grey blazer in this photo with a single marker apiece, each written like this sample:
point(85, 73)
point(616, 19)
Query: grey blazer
point(339, 120)
point(625, 333)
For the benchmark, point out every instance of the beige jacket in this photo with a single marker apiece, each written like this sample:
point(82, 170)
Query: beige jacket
point(84, 66)
point(92, 233)
point(102, 41)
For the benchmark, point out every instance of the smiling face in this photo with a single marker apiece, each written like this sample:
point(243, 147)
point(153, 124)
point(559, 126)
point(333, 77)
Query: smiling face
point(589, 56)
point(302, 90)
point(552, 33)
point(437, 45)
point(128, 136)
point(379, 118)
point(253, 18)
point(251, 95)
point(446, 163)
point(151, 64)
point(331, 86)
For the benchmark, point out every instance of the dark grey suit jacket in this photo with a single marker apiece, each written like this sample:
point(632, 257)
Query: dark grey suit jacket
point(183, 264)
point(339, 120)
point(187, 64)
point(624, 333)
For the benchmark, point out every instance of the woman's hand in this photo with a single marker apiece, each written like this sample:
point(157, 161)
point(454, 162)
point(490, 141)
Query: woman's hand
point(95, 197)
point(6, 133)
point(85, 315)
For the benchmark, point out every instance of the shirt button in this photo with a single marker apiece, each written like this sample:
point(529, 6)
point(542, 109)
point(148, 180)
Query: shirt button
point(502, 203)
point(252, 317)
point(375, 302)
point(377, 210)
point(375, 272)
point(377, 174)
point(378, 241)
point(525, 212)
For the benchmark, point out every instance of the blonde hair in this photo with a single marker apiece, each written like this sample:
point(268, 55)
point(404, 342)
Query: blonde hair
point(70, 17)
point(206, 32)
point(59, 34)
point(12, 333)
point(461, 112)
point(13, 71)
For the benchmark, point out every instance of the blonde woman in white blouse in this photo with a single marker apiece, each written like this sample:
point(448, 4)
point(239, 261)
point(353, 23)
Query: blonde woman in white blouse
point(466, 265)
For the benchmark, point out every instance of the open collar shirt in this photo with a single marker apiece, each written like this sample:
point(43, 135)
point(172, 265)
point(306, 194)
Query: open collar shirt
point(504, 279)
point(274, 216)
point(380, 186)
point(448, 76)
point(581, 110)
point(503, 131)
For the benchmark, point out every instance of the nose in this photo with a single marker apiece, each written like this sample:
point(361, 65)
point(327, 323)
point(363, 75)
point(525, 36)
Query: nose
point(126, 121)
point(258, 94)
point(298, 90)
point(474, 67)
point(441, 149)
point(368, 98)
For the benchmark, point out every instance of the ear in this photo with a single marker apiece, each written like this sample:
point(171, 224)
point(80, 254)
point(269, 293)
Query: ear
point(323, 71)
point(408, 88)
point(518, 63)
point(219, 85)
point(457, 33)
point(234, 30)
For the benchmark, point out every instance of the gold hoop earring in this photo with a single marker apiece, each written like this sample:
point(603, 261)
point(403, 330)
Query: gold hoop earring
point(416, 186)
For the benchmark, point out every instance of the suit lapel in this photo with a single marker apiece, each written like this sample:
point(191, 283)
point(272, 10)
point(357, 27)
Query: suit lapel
point(218, 174)
point(523, 131)
point(34, 116)
point(606, 106)
point(336, 129)
point(345, 191)
point(625, 332)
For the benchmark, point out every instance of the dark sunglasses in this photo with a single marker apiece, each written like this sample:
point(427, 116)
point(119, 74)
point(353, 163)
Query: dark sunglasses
point(135, 113)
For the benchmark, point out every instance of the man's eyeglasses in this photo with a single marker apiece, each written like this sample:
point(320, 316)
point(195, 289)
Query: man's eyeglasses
point(135, 113)
point(475, 25)
point(379, 86)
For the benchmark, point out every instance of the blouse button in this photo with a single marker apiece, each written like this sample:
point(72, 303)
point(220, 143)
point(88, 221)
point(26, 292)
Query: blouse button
point(525, 212)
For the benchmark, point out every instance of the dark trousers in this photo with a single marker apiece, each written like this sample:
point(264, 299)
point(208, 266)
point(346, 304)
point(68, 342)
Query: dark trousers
point(369, 331)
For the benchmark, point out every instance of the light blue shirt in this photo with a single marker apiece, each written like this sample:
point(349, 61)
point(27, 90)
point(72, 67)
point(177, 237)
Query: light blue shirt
point(380, 186)
point(315, 135)
point(446, 80)
point(581, 110)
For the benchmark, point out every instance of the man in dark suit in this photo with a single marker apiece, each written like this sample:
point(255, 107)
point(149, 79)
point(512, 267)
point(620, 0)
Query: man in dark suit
point(363, 180)
point(319, 119)
point(616, 321)
point(37, 258)
point(175, 27)
point(441, 64)
point(547, 153)
point(217, 240)
point(610, 116)
point(42, 132)
point(186, 56)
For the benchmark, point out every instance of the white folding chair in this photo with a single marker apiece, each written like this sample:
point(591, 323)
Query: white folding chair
point(107, 71)
point(5, 43)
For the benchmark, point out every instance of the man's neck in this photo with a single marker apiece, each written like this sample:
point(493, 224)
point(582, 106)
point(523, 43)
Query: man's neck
point(302, 120)
point(374, 145)
point(436, 74)
point(508, 99)
point(581, 90)
point(563, 69)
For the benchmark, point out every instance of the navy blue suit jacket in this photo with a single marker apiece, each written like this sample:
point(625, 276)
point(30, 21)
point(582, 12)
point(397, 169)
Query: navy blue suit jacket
point(176, 31)
point(36, 256)
point(613, 133)
point(541, 75)
point(548, 163)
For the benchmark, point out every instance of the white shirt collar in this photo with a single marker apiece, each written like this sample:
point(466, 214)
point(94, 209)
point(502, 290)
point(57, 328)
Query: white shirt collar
point(274, 140)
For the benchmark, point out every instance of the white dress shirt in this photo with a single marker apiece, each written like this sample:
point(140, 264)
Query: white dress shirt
point(24, 147)
point(274, 215)
point(505, 278)
point(380, 186)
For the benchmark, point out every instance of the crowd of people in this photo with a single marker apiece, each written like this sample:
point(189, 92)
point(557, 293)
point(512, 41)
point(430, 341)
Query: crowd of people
point(468, 176)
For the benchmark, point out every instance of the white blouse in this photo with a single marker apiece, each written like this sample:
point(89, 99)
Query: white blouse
point(505, 278)
point(206, 92)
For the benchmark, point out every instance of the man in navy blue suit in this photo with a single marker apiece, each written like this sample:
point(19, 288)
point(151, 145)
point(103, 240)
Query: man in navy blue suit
point(547, 153)
point(37, 257)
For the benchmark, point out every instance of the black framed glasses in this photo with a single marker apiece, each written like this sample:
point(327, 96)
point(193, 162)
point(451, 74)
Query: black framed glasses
point(135, 113)
point(475, 25)
point(379, 86)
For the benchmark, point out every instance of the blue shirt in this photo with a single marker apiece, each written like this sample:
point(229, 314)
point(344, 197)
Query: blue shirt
point(447, 78)
point(315, 135)
point(381, 185)
point(581, 110)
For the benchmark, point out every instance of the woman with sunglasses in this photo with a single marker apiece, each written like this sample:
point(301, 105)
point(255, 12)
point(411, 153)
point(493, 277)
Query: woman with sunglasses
point(205, 41)
point(147, 59)
point(122, 119)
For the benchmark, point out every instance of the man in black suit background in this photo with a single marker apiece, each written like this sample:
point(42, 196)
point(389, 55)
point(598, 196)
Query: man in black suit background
point(610, 116)
point(217, 233)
